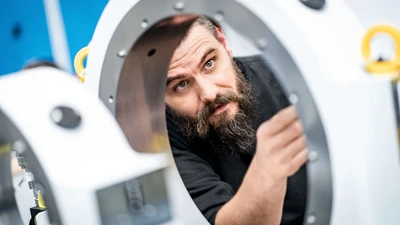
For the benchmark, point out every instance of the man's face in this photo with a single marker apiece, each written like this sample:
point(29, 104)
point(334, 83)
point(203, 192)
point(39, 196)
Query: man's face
point(205, 89)
point(200, 70)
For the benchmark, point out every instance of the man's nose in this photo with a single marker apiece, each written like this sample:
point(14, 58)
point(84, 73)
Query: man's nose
point(208, 90)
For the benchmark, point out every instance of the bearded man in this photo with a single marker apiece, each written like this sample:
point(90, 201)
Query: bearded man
point(238, 144)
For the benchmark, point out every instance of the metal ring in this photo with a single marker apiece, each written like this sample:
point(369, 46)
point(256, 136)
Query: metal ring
point(372, 66)
point(78, 63)
point(137, 83)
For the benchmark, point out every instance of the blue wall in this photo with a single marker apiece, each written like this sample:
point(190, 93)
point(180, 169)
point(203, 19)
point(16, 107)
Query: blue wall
point(24, 32)
point(80, 20)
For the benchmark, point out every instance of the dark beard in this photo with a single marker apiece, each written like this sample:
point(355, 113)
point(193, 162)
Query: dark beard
point(237, 135)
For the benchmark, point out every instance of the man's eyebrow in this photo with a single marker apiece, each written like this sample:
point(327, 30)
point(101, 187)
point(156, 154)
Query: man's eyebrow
point(207, 52)
point(180, 76)
point(170, 79)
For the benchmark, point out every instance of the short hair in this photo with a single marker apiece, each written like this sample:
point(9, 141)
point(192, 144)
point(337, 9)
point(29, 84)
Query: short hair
point(207, 23)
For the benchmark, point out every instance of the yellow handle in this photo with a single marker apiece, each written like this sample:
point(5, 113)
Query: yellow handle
point(385, 67)
point(78, 63)
point(41, 200)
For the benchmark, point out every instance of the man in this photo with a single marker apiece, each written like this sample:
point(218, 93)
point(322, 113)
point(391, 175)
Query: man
point(237, 143)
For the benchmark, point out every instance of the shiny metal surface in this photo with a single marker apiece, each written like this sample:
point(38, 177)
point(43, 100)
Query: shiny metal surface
point(142, 200)
point(9, 214)
point(139, 100)
point(136, 83)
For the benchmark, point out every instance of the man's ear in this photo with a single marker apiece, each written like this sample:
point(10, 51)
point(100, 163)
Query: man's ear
point(222, 39)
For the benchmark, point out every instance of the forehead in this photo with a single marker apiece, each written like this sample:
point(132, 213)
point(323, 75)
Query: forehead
point(194, 34)
point(198, 38)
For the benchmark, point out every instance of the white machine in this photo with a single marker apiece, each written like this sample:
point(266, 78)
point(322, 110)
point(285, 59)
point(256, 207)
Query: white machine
point(78, 154)
point(314, 48)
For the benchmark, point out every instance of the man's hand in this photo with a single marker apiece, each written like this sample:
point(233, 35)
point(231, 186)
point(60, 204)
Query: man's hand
point(281, 146)
point(281, 151)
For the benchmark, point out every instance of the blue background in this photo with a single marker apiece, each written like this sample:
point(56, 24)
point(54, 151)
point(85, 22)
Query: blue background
point(24, 33)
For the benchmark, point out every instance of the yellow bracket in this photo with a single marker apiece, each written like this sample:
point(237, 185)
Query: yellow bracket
point(78, 63)
point(386, 67)
point(41, 203)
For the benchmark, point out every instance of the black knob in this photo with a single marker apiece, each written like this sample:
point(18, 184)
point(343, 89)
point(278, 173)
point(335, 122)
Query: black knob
point(314, 4)
point(65, 117)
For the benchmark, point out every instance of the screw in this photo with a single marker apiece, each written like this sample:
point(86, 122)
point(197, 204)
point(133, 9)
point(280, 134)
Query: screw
point(121, 54)
point(293, 98)
point(311, 219)
point(21, 162)
point(219, 16)
point(179, 6)
point(135, 196)
point(144, 23)
point(19, 147)
point(31, 185)
point(262, 43)
point(312, 156)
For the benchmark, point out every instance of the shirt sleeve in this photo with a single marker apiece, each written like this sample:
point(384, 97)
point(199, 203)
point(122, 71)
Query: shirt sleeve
point(203, 184)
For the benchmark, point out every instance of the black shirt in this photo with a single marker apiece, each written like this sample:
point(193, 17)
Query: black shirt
point(213, 178)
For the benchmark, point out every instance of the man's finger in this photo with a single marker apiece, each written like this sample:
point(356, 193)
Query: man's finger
point(279, 121)
point(293, 148)
point(299, 159)
point(288, 135)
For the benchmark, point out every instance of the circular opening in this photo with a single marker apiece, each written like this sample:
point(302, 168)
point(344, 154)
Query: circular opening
point(143, 83)
point(151, 52)
point(111, 99)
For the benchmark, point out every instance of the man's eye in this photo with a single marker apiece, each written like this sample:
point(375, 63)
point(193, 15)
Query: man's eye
point(181, 85)
point(210, 64)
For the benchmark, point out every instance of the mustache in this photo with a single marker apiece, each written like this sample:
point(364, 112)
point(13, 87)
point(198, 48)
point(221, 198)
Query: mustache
point(211, 106)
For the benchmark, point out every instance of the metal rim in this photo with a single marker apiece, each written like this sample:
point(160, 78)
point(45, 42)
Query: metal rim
point(320, 192)
point(10, 215)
